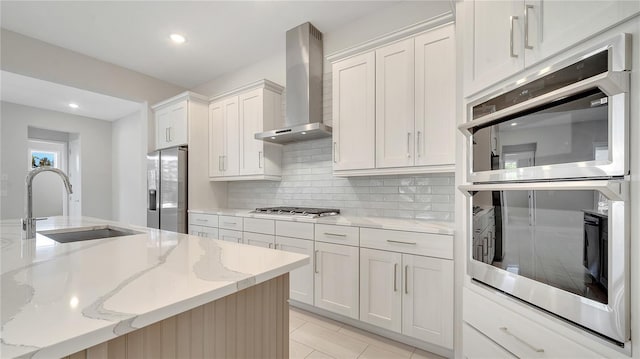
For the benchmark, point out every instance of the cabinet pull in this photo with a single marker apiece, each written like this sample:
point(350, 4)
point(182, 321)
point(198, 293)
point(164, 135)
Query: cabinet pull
point(275, 246)
point(166, 134)
point(418, 142)
point(170, 137)
point(260, 159)
point(229, 223)
point(408, 144)
point(526, 27)
point(220, 163)
point(334, 234)
point(238, 240)
point(395, 277)
point(401, 242)
point(201, 219)
point(270, 245)
point(511, 19)
point(406, 279)
point(507, 332)
point(334, 151)
point(315, 262)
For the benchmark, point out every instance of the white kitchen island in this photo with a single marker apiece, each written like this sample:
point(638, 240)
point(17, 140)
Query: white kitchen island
point(154, 294)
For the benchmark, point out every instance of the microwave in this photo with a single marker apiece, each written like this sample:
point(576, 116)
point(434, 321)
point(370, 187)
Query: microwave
point(547, 189)
point(569, 120)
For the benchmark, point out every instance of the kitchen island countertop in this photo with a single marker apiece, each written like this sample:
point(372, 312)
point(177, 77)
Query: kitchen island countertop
point(59, 298)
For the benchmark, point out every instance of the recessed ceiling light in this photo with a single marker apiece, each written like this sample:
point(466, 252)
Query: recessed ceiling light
point(514, 124)
point(177, 38)
point(273, 138)
point(304, 133)
point(73, 105)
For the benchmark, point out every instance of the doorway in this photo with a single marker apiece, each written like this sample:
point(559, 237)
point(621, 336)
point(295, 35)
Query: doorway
point(49, 194)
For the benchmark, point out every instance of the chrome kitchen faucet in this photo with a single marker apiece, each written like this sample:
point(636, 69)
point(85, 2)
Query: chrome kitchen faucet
point(29, 223)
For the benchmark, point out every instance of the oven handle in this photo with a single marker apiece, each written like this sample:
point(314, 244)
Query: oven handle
point(616, 190)
point(610, 82)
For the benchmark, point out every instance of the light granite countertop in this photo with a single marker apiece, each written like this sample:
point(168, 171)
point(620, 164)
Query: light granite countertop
point(59, 298)
point(401, 224)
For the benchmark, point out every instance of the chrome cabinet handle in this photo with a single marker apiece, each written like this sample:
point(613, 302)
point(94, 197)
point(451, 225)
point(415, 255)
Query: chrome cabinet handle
point(170, 136)
point(406, 279)
point(166, 134)
point(395, 277)
point(334, 151)
point(260, 159)
point(220, 163)
point(238, 240)
point(408, 145)
point(418, 142)
point(201, 220)
point(507, 332)
point(334, 234)
point(511, 19)
point(270, 245)
point(224, 163)
point(526, 27)
point(401, 242)
point(315, 262)
point(229, 223)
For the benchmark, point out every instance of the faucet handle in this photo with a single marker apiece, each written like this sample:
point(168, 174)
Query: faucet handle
point(25, 220)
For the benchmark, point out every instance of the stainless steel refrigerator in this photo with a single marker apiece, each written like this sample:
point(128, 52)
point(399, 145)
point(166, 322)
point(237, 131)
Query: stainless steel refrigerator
point(167, 189)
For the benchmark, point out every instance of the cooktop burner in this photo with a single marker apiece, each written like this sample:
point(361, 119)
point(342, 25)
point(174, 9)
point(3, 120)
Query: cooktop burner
point(299, 211)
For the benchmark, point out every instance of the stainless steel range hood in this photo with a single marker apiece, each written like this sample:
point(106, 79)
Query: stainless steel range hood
point(303, 119)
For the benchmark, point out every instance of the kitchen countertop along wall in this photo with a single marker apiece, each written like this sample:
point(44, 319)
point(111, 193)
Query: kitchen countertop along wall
point(308, 181)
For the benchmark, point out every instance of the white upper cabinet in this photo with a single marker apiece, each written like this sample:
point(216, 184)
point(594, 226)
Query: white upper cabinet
point(172, 119)
point(397, 102)
point(354, 113)
point(574, 20)
point(224, 138)
point(394, 105)
point(235, 118)
point(435, 124)
point(507, 36)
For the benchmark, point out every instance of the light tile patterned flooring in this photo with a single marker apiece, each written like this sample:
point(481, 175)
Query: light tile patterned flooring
point(312, 336)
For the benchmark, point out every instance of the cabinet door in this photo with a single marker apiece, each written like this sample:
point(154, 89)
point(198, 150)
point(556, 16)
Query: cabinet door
point(259, 239)
point(195, 230)
point(488, 38)
point(179, 124)
point(230, 236)
point(476, 345)
point(354, 113)
point(575, 20)
point(209, 232)
point(301, 279)
point(163, 123)
point(231, 158)
point(336, 279)
point(427, 304)
point(435, 97)
point(251, 121)
point(216, 139)
point(381, 288)
point(395, 105)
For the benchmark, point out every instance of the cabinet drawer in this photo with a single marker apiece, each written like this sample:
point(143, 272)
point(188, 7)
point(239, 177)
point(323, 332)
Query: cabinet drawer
point(477, 346)
point(425, 244)
point(294, 229)
point(230, 236)
point(201, 219)
point(265, 226)
point(517, 334)
point(230, 222)
point(259, 239)
point(338, 234)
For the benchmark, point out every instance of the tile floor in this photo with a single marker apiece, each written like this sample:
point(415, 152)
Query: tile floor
point(312, 336)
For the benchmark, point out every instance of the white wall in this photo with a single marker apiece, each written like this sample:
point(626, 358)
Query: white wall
point(96, 156)
point(128, 144)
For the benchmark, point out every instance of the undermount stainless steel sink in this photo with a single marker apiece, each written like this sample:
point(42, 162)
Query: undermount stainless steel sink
point(87, 233)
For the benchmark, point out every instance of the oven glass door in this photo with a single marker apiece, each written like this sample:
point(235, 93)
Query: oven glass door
point(554, 244)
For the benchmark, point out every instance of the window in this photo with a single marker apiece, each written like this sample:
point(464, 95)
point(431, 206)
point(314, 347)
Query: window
point(43, 159)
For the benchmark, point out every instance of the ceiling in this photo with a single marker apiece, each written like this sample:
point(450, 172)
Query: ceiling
point(222, 36)
point(32, 92)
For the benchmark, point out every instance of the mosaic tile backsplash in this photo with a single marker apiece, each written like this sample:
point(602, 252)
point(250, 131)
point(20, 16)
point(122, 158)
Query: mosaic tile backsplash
point(307, 181)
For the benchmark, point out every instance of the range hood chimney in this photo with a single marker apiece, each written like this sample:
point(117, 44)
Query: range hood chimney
point(303, 119)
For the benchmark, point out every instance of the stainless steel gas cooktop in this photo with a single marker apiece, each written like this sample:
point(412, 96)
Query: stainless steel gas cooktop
point(299, 211)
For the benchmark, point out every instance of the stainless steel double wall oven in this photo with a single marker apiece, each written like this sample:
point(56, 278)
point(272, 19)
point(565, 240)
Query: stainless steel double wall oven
point(548, 189)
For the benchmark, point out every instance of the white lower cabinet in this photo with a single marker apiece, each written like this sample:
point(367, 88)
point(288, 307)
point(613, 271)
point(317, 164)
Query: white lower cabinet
point(336, 279)
point(476, 345)
point(230, 236)
point(259, 239)
point(380, 288)
point(301, 279)
point(408, 294)
point(203, 231)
